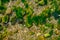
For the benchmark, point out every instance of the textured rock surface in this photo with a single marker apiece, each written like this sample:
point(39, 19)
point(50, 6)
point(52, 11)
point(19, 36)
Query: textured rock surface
point(19, 31)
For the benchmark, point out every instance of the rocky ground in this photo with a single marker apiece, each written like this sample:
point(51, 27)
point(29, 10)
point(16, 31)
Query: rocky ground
point(19, 31)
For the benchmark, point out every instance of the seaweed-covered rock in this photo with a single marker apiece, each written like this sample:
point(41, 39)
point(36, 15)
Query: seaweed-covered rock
point(5, 19)
point(58, 25)
point(29, 21)
point(13, 20)
point(4, 1)
point(36, 19)
point(0, 19)
point(42, 19)
point(1, 28)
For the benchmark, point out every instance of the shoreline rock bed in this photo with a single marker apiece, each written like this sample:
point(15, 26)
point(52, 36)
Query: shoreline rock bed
point(29, 20)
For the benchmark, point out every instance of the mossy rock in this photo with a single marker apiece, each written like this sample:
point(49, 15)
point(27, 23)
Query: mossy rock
point(49, 25)
point(42, 19)
point(19, 13)
point(1, 37)
point(29, 21)
point(23, 1)
point(45, 2)
point(51, 32)
point(36, 20)
point(5, 19)
point(1, 8)
point(13, 20)
point(47, 12)
point(1, 28)
point(48, 34)
point(31, 33)
point(58, 38)
point(59, 21)
point(41, 3)
point(0, 19)
point(58, 25)
point(4, 1)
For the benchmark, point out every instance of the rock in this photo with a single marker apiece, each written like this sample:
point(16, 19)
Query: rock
point(8, 11)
